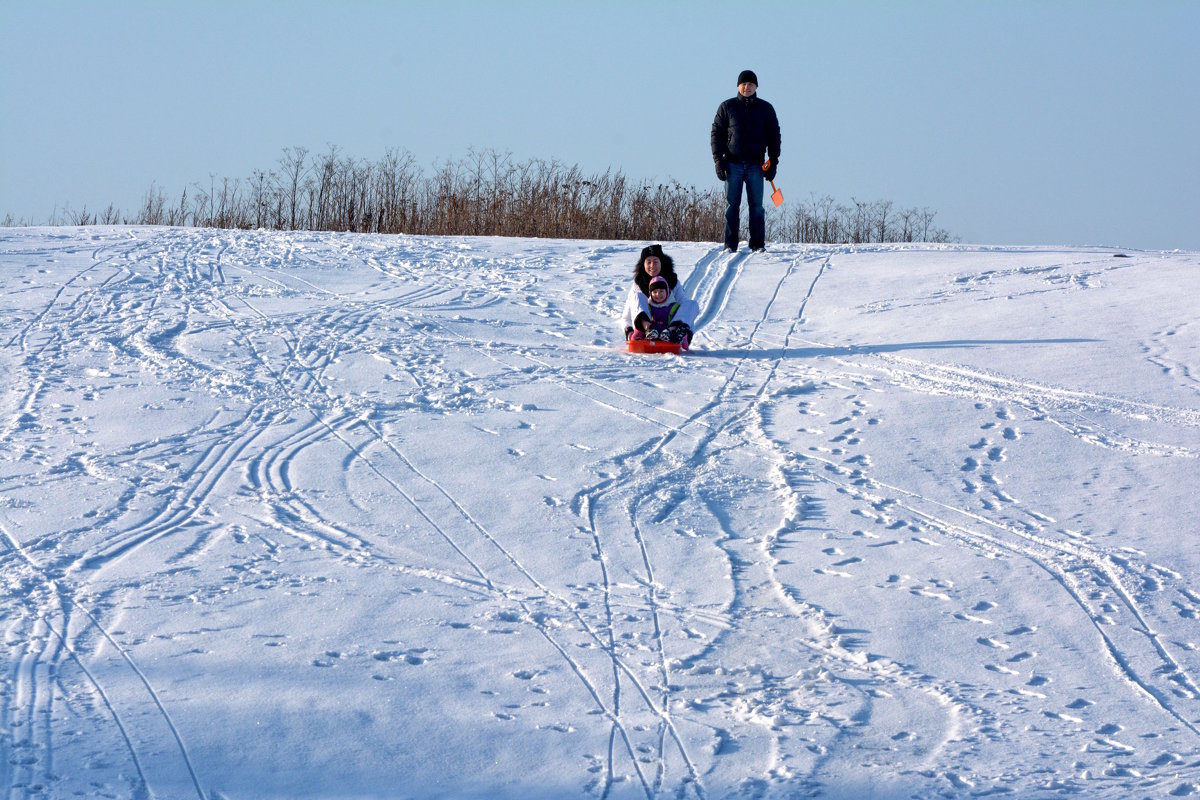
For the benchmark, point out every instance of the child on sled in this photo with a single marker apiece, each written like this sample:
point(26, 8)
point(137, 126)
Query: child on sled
point(662, 319)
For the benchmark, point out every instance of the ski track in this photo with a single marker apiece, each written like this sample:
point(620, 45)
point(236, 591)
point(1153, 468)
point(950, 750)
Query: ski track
point(669, 723)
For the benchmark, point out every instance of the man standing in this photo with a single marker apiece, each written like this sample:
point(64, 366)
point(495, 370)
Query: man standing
point(743, 132)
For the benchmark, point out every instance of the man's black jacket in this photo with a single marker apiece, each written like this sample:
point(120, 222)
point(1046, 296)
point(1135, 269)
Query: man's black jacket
point(745, 130)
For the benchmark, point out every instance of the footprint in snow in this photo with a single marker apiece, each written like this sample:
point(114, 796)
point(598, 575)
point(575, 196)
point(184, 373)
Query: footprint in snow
point(1171, 759)
point(415, 656)
point(1003, 496)
point(1000, 669)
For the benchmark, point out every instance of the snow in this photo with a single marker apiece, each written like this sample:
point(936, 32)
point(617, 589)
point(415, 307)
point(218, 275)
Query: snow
point(311, 515)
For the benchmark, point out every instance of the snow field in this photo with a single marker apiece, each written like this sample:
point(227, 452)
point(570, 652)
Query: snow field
point(317, 515)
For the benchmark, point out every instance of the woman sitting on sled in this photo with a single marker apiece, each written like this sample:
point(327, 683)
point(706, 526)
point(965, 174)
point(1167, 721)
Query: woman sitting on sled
point(656, 308)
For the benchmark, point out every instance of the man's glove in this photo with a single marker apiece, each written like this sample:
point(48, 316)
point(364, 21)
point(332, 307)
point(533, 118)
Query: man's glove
point(771, 167)
point(722, 171)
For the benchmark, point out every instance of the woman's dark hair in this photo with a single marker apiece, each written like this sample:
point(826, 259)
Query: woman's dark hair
point(668, 269)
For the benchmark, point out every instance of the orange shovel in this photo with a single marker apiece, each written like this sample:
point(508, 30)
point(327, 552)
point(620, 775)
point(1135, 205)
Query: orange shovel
point(776, 196)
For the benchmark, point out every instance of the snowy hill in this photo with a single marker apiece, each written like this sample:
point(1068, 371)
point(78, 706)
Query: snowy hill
point(316, 515)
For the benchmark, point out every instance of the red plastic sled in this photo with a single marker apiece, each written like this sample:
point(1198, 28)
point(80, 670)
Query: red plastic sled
point(653, 346)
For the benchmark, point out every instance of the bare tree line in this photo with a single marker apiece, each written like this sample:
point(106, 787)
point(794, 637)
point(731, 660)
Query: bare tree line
point(487, 193)
point(824, 220)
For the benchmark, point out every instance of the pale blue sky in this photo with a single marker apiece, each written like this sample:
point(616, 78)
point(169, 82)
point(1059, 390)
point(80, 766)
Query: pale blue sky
point(1069, 123)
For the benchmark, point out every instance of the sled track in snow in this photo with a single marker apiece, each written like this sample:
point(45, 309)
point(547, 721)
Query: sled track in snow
point(714, 277)
point(64, 631)
point(226, 447)
point(37, 681)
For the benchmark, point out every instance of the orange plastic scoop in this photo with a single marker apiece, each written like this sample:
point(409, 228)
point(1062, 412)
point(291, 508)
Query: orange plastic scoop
point(776, 195)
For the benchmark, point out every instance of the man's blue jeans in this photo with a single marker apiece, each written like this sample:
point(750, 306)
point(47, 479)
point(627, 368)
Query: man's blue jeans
point(751, 176)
